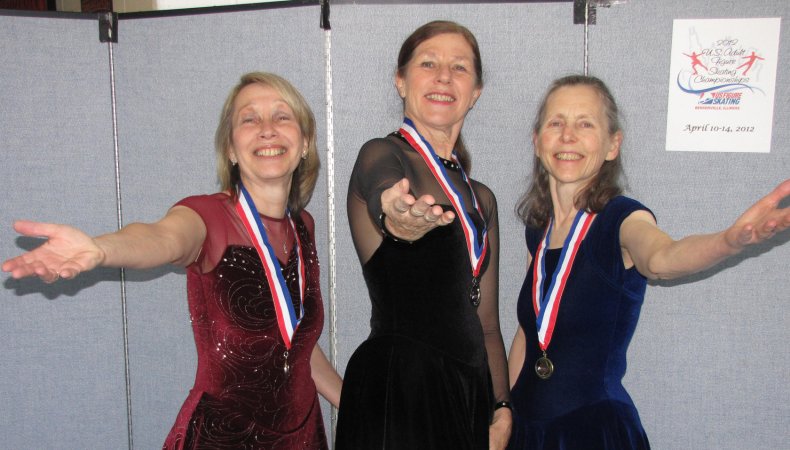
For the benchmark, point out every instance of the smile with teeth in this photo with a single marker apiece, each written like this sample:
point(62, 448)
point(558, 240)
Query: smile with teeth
point(270, 151)
point(440, 97)
point(568, 156)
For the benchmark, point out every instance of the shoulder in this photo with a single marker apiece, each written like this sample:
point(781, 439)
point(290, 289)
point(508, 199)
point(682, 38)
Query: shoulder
point(206, 204)
point(383, 145)
point(307, 220)
point(617, 211)
point(481, 189)
point(205, 199)
point(485, 196)
point(533, 236)
point(621, 207)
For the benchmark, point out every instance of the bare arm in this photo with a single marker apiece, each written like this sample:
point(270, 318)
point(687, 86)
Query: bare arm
point(176, 239)
point(658, 256)
point(515, 360)
point(326, 379)
point(518, 349)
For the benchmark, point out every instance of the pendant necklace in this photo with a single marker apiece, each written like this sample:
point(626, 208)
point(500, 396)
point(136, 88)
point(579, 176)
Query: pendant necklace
point(285, 247)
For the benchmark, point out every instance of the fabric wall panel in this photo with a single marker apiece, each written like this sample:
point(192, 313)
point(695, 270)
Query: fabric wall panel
point(173, 77)
point(62, 377)
point(708, 365)
point(692, 369)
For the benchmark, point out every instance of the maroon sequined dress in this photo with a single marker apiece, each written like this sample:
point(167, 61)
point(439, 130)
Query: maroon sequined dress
point(242, 399)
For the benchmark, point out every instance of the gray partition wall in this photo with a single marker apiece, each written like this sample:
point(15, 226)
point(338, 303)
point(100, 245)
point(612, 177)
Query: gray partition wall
point(62, 364)
point(708, 366)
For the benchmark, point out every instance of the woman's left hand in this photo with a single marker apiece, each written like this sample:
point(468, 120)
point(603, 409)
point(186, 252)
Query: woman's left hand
point(500, 428)
point(761, 221)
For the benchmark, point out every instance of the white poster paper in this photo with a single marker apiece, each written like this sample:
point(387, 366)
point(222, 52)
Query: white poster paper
point(721, 85)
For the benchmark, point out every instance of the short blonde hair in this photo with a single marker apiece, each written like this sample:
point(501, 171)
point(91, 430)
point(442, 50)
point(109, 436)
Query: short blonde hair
point(306, 174)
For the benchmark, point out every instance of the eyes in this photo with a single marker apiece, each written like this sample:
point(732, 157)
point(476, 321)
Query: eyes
point(455, 66)
point(559, 123)
point(253, 118)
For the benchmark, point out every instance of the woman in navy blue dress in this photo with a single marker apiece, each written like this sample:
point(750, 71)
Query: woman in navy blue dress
point(591, 253)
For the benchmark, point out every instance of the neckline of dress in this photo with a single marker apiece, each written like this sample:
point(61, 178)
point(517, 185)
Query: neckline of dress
point(448, 164)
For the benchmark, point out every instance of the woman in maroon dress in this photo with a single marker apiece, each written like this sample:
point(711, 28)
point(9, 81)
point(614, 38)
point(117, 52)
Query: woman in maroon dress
point(252, 277)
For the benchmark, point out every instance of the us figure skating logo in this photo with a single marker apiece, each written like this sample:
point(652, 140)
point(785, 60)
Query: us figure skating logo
point(721, 75)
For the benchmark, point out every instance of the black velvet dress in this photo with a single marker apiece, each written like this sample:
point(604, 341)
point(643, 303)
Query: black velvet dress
point(583, 405)
point(421, 380)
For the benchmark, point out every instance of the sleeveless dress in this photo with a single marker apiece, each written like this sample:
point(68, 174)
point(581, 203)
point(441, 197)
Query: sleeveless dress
point(583, 405)
point(241, 398)
point(421, 380)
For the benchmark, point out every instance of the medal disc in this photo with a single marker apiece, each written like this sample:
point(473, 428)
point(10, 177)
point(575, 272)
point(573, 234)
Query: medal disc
point(544, 368)
point(474, 293)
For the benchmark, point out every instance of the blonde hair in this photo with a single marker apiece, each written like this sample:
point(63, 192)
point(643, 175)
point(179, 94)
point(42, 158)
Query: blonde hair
point(306, 174)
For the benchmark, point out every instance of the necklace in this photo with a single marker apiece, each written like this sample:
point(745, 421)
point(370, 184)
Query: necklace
point(288, 317)
point(285, 240)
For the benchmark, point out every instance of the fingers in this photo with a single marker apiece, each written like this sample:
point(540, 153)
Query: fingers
point(34, 229)
point(403, 203)
point(409, 218)
point(51, 278)
point(437, 215)
point(422, 207)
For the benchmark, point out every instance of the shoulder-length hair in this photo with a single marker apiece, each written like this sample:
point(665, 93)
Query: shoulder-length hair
point(535, 207)
point(306, 174)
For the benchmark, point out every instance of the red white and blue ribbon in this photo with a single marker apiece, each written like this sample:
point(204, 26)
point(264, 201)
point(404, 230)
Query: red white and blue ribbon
point(477, 246)
point(287, 319)
point(546, 307)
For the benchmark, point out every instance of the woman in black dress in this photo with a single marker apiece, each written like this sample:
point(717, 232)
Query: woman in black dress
point(432, 374)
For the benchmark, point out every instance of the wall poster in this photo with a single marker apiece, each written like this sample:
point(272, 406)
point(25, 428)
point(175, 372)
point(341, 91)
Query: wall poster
point(721, 85)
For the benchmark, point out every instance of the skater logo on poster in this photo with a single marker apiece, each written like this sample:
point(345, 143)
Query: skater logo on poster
point(721, 88)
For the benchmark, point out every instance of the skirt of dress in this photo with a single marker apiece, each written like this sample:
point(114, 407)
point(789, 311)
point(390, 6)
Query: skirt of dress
point(399, 394)
point(207, 423)
point(607, 425)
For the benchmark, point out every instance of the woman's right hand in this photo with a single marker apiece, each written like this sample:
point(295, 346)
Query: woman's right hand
point(408, 218)
point(67, 252)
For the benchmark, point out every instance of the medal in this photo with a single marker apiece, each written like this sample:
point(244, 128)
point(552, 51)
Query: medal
point(477, 246)
point(544, 367)
point(474, 293)
point(287, 318)
point(546, 307)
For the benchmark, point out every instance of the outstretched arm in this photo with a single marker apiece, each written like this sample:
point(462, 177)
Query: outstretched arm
point(68, 251)
point(657, 256)
point(326, 379)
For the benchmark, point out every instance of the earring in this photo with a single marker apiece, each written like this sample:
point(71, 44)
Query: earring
point(304, 154)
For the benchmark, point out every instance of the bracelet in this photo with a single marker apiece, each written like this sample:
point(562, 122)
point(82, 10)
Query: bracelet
point(503, 404)
point(386, 232)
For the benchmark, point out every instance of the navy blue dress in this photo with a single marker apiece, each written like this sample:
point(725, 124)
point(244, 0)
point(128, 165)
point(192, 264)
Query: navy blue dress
point(583, 405)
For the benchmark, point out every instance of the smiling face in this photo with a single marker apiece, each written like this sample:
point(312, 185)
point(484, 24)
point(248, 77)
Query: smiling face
point(574, 140)
point(267, 141)
point(439, 84)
